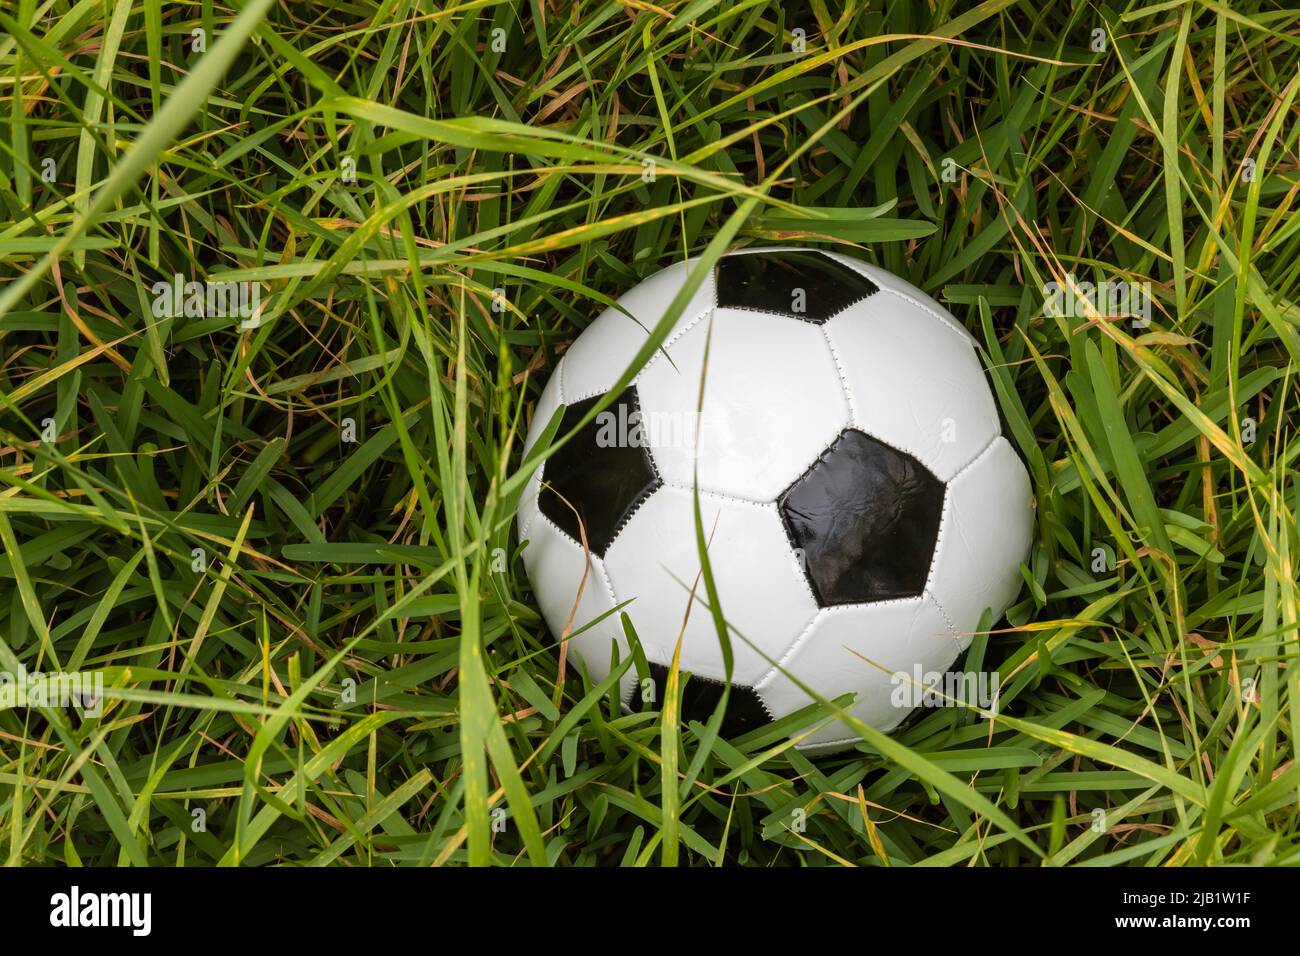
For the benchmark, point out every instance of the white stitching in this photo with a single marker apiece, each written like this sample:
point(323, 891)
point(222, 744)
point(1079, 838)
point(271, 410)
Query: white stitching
point(858, 605)
point(801, 318)
point(658, 353)
point(789, 653)
point(952, 628)
point(536, 509)
point(844, 382)
point(944, 520)
point(871, 433)
point(859, 425)
point(950, 324)
point(646, 494)
point(769, 506)
point(971, 464)
point(938, 539)
point(597, 563)
point(609, 585)
point(676, 336)
point(719, 495)
point(802, 638)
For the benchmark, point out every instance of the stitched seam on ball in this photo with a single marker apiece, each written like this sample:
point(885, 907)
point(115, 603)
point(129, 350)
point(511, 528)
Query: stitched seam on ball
point(559, 372)
point(645, 448)
point(655, 484)
point(952, 628)
point(803, 574)
point(950, 324)
point(949, 510)
point(680, 486)
point(613, 596)
point(858, 605)
point(971, 464)
point(528, 522)
point(975, 457)
point(653, 656)
point(624, 698)
point(844, 382)
point(874, 437)
point(609, 584)
point(785, 521)
point(730, 627)
point(796, 316)
point(788, 654)
point(658, 354)
point(767, 711)
point(628, 515)
point(650, 457)
point(902, 450)
point(564, 534)
point(826, 448)
point(771, 506)
point(590, 556)
point(667, 343)
point(944, 517)
point(866, 429)
point(815, 462)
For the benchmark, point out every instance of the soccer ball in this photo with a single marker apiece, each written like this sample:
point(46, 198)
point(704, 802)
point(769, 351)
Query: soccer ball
point(861, 506)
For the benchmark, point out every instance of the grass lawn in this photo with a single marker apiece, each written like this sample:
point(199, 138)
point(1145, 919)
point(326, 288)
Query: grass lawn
point(283, 536)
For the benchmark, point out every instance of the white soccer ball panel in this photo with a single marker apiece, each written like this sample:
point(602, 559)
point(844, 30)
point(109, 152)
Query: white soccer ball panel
point(985, 535)
point(654, 562)
point(604, 350)
point(913, 383)
point(555, 566)
point(896, 635)
point(773, 401)
point(901, 288)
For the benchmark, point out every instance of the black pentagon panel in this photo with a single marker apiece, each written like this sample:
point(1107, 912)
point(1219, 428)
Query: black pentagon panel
point(804, 285)
point(604, 472)
point(866, 517)
point(700, 696)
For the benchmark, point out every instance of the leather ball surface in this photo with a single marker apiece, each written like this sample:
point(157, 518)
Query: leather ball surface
point(862, 506)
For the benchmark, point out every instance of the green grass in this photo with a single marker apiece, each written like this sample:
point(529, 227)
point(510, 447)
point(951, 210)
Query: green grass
point(1160, 689)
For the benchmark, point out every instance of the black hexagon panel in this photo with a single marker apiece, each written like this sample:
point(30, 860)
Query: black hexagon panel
point(803, 285)
point(866, 518)
point(602, 482)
